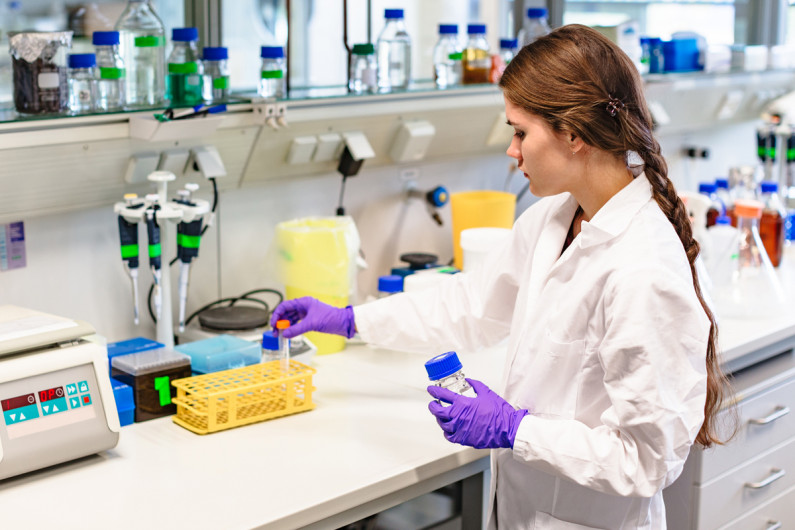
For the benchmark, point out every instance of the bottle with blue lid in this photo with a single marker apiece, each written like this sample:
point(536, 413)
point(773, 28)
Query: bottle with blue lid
point(82, 82)
point(389, 284)
point(216, 73)
point(446, 371)
point(111, 84)
point(185, 70)
point(273, 76)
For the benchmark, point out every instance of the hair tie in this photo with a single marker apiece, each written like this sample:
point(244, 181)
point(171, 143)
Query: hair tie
point(614, 105)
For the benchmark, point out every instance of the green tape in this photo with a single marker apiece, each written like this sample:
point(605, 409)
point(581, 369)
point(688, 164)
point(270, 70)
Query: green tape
point(183, 68)
point(221, 83)
point(129, 251)
point(150, 41)
point(155, 250)
point(187, 241)
point(111, 73)
point(164, 390)
point(272, 74)
point(455, 56)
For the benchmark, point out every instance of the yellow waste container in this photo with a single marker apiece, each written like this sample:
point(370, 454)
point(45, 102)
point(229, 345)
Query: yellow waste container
point(317, 257)
point(476, 209)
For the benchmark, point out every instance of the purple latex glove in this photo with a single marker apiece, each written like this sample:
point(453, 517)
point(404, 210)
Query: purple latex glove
point(309, 314)
point(483, 422)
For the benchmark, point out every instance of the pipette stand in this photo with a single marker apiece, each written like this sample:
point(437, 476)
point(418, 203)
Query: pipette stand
point(173, 213)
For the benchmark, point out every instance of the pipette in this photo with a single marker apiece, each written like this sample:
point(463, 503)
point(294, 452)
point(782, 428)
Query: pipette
point(155, 251)
point(284, 344)
point(188, 239)
point(128, 237)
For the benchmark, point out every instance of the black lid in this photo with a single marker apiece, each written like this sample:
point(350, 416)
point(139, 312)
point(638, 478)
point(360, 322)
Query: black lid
point(232, 318)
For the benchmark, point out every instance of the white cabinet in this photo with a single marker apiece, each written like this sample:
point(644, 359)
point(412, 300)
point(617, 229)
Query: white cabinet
point(748, 483)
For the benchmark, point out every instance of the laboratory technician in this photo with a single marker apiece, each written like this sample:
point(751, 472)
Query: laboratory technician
point(611, 373)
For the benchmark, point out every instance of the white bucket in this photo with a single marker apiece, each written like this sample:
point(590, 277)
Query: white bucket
point(477, 243)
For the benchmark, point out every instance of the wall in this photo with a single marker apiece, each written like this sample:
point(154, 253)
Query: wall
point(74, 268)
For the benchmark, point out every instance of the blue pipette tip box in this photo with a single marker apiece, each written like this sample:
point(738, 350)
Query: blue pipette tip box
point(125, 401)
point(135, 345)
point(223, 352)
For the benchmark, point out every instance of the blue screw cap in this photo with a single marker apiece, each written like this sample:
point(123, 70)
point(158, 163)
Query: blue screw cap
point(443, 365)
point(707, 187)
point(105, 38)
point(768, 186)
point(215, 53)
point(448, 29)
point(536, 12)
point(391, 283)
point(271, 52)
point(185, 34)
point(476, 29)
point(509, 43)
point(722, 184)
point(393, 13)
point(270, 341)
point(82, 60)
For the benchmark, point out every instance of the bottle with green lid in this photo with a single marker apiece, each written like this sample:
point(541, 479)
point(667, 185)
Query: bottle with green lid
point(216, 73)
point(364, 69)
point(272, 72)
point(143, 51)
point(110, 87)
point(447, 57)
point(185, 69)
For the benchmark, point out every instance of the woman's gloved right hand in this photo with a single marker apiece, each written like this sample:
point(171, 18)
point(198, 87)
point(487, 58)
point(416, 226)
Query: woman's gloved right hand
point(309, 314)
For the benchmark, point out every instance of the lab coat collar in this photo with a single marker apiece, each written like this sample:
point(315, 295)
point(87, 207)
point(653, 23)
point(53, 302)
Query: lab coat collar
point(614, 217)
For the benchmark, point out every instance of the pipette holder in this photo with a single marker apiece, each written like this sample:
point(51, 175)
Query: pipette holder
point(172, 212)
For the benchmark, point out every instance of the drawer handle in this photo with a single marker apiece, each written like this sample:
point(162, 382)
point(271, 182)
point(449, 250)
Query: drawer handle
point(773, 525)
point(776, 414)
point(775, 474)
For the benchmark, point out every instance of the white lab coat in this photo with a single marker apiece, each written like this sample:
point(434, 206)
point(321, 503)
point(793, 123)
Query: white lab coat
point(607, 348)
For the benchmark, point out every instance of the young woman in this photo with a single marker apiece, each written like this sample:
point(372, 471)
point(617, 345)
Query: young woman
point(612, 372)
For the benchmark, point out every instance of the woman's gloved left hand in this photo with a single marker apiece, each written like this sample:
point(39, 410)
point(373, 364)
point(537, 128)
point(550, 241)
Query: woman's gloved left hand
point(483, 422)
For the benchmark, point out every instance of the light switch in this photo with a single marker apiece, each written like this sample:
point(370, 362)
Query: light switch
point(302, 149)
point(412, 141)
point(140, 166)
point(209, 161)
point(329, 146)
point(358, 145)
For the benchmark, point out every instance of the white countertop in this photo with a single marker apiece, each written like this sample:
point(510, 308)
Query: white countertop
point(369, 438)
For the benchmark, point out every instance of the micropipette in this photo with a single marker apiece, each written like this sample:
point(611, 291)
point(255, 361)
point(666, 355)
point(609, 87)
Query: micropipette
point(188, 239)
point(155, 251)
point(128, 236)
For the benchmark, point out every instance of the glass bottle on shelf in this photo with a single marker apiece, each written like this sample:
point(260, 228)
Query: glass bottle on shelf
point(742, 186)
point(272, 72)
point(82, 80)
point(185, 70)
point(111, 84)
point(216, 73)
point(364, 69)
point(535, 26)
point(716, 207)
point(447, 57)
point(143, 51)
point(476, 62)
point(508, 48)
point(394, 53)
point(771, 224)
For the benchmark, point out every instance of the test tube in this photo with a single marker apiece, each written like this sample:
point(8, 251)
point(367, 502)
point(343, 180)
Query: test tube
point(284, 344)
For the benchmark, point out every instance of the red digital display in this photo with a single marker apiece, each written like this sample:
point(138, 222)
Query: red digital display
point(52, 393)
point(19, 401)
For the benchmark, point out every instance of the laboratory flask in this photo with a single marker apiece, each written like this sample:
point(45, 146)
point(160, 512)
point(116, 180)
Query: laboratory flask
point(112, 74)
point(476, 61)
point(447, 57)
point(535, 26)
point(143, 51)
point(475, 209)
point(745, 282)
point(317, 257)
point(185, 79)
point(446, 371)
point(394, 53)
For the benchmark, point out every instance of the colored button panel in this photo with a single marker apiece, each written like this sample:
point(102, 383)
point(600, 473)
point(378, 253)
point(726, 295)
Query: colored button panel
point(82, 386)
point(71, 389)
point(86, 399)
point(21, 414)
point(74, 402)
point(53, 406)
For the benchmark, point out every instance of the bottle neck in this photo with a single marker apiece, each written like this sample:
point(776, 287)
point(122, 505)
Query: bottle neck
point(747, 223)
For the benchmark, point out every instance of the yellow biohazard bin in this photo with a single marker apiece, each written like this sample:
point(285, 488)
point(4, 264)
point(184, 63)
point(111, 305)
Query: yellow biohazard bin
point(231, 398)
point(476, 209)
point(317, 257)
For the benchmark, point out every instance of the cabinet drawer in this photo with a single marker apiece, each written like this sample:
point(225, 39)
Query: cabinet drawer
point(764, 420)
point(747, 487)
point(777, 513)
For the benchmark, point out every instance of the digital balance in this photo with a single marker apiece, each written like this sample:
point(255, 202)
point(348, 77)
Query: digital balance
point(55, 392)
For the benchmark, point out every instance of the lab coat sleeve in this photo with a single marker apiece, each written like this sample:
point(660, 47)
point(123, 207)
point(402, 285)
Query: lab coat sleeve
point(654, 361)
point(469, 311)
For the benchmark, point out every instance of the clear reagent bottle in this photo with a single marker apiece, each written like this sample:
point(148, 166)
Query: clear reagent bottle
point(364, 69)
point(447, 57)
point(216, 73)
point(185, 69)
point(394, 53)
point(143, 51)
point(82, 82)
point(389, 284)
point(111, 84)
point(535, 26)
point(272, 72)
point(446, 371)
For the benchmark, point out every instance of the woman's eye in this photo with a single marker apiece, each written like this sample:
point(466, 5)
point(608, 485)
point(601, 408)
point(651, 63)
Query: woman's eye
point(518, 134)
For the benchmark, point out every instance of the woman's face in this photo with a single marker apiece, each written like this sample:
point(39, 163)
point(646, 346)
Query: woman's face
point(543, 155)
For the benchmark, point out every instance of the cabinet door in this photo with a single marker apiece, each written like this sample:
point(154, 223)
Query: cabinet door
point(777, 513)
point(764, 421)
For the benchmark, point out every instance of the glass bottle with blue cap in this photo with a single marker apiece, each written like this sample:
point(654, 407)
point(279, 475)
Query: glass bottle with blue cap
point(446, 371)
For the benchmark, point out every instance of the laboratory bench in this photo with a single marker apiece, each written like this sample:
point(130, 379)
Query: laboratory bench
point(371, 444)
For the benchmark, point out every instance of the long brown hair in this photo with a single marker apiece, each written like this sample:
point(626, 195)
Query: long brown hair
point(581, 83)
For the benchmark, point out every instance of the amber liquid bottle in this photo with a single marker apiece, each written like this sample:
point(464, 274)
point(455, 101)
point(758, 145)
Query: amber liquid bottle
point(771, 225)
point(476, 59)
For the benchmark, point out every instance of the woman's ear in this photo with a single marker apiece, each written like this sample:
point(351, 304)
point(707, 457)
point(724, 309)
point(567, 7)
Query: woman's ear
point(575, 143)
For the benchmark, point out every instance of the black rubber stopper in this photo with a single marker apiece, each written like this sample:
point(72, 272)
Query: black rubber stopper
point(419, 260)
point(232, 318)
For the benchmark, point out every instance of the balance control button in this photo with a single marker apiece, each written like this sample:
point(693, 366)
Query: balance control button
point(74, 402)
point(20, 414)
point(86, 399)
point(82, 386)
point(71, 389)
point(54, 406)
